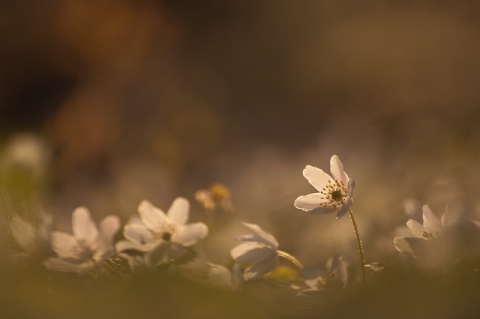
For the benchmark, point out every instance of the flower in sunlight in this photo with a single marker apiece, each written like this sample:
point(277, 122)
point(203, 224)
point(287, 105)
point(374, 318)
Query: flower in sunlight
point(88, 247)
point(32, 240)
point(258, 252)
point(335, 195)
point(161, 237)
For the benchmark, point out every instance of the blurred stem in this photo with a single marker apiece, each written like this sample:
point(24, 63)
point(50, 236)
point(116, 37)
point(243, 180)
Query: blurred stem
point(290, 258)
point(359, 246)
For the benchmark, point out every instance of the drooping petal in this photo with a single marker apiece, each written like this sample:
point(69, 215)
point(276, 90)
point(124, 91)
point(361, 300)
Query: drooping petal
point(417, 229)
point(265, 237)
point(317, 177)
point(431, 222)
point(65, 245)
point(178, 212)
point(84, 228)
point(251, 253)
point(338, 173)
point(151, 216)
point(411, 245)
point(260, 269)
point(312, 203)
point(188, 235)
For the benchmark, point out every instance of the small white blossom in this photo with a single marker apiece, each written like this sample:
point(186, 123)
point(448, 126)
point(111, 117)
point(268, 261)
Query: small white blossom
point(87, 248)
point(335, 195)
point(161, 237)
point(259, 252)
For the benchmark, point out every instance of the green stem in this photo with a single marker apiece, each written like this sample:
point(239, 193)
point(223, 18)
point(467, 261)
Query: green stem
point(290, 258)
point(359, 246)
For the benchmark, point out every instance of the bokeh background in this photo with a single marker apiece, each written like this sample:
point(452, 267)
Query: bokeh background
point(157, 99)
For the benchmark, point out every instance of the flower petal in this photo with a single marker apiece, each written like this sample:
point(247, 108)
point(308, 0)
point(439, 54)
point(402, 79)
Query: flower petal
point(262, 268)
point(311, 203)
point(59, 264)
point(178, 212)
point(431, 223)
point(108, 228)
point(411, 245)
point(65, 245)
point(84, 228)
point(417, 229)
point(338, 173)
point(136, 231)
point(317, 177)
point(189, 234)
point(265, 237)
point(251, 253)
point(151, 216)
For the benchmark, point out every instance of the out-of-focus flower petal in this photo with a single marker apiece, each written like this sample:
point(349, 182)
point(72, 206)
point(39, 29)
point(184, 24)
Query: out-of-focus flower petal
point(431, 223)
point(151, 216)
point(416, 228)
point(265, 237)
point(65, 245)
point(178, 212)
point(84, 229)
point(220, 277)
point(188, 235)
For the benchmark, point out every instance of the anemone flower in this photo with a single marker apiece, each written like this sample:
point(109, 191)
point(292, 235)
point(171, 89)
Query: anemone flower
point(88, 247)
point(335, 193)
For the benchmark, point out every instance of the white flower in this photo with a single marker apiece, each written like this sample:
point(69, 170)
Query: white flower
point(259, 252)
point(335, 195)
point(33, 240)
point(87, 248)
point(431, 228)
point(163, 237)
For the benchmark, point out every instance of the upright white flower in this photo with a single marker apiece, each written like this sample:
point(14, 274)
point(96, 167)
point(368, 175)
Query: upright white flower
point(335, 195)
point(87, 248)
point(163, 237)
point(259, 252)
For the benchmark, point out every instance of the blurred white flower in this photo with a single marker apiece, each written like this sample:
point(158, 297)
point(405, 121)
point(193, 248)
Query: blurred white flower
point(437, 240)
point(335, 195)
point(87, 248)
point(33, 239)
point(161, 237)
point(259, 252)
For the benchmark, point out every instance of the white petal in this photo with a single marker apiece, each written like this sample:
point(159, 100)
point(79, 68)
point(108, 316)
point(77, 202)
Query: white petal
point(417, 229)
point(336, 168)
point(311, 203)
point(108, 228)
point(220, 276)
point(151, 216)
point(402, 245)
point(189, 234)
point(65, 245)
point(268, 239)
point(83, 226)
point(316, 177)
point(431, 222)
point(137, 232)
point(262, 268)
point(251, 253)
point(59, 264)
point(178, 212)
point(411, 245)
